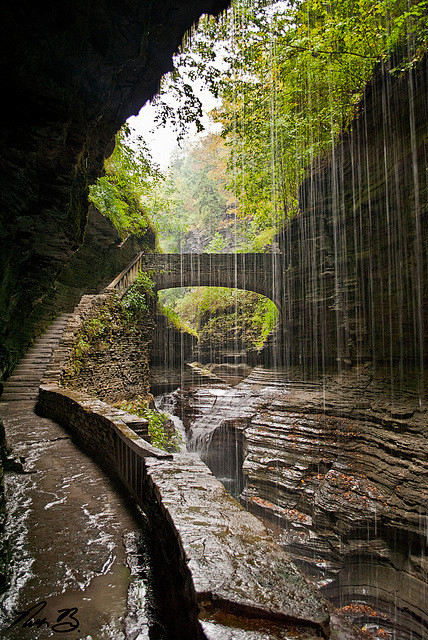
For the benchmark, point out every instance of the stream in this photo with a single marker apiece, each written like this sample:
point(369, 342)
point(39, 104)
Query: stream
point(333, 467)
point(316, 459)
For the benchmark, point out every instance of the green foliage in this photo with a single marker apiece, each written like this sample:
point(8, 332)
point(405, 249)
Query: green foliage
point(227, 317)
point(95, 326)
point(80, 349)
point(135, 303)
point(265, 318)
point(197, 198)
point(245, 325)
point(200, 301)
point(159, 438)
point(289, 77)
point(217, 244)
point(176, 320)
point(128, 192)
point(157, 422)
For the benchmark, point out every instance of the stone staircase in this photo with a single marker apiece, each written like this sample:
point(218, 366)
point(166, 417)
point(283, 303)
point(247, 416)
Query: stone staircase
point(24, 382)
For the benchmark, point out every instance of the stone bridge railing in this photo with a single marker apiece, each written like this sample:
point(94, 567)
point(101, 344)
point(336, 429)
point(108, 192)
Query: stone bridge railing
point(123, 281)
point(259, 272)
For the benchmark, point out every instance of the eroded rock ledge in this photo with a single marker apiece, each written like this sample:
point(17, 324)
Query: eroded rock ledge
point(339, 466)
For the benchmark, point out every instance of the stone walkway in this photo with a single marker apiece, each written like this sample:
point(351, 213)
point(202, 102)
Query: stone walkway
point(73, 538)
point(67, 526)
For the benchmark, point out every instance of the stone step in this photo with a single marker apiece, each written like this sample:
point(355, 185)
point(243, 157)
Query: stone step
point(18, 384)
point(57, 332)
point(10, 397)
point(37, 356)
point(28, 388)
point(24, 382)
point(41, 347)
point(29, 368)
point(32, 372)
point(27, 381)
point(27, 374)
point(42, 353)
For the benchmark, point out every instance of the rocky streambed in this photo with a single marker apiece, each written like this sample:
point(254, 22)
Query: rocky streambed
point(337, 465)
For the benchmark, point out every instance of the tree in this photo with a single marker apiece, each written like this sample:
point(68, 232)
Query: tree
point(289, 76)
point(128, 194)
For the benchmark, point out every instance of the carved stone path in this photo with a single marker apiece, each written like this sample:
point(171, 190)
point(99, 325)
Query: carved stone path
point(70, 532)
point(24, 382)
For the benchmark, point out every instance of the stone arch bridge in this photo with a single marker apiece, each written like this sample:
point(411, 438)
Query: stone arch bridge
point(258, 272)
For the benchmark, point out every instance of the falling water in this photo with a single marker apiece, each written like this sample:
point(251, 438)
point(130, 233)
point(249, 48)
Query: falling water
point(329, 446)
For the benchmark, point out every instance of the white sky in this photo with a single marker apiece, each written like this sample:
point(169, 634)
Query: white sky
point(162, 140)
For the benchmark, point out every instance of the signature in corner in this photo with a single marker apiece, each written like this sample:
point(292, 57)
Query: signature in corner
point(65, 622)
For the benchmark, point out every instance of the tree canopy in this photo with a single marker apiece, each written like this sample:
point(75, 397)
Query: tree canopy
point(127, 193)
point(289, 76)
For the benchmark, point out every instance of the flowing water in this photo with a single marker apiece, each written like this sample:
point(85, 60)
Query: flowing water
point(305, 455)
point(72, 537)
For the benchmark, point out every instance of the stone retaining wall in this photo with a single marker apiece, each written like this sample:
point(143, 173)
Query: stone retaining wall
point(254, 578)
point(94, 424)
point(110, 358)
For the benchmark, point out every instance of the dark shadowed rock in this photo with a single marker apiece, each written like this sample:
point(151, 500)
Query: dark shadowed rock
point(74, 72)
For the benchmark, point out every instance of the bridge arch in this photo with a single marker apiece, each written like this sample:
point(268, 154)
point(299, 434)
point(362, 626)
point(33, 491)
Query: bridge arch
point(258, 272)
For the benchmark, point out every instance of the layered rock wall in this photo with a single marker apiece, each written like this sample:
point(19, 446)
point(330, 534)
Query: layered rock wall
point(339, 470)
point(357, 283)
point(342, 470)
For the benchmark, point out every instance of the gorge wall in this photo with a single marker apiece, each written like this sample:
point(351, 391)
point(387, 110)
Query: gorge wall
point(73, 74)
point(357, 285)
point(332, 449)
point(340, 472)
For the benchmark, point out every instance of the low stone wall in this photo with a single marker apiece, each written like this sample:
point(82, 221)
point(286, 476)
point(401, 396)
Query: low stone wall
point(94, 424)
point(205, 548)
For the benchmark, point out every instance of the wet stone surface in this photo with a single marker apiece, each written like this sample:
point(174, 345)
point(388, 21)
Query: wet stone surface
point(337, 467)
point(235, 564)
point(68, 527)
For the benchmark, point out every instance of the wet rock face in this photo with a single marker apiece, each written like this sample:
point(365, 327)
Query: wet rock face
point(73, 73)
point(358, 277)
point(101, 257)
point(4, 571)
point(339, 470)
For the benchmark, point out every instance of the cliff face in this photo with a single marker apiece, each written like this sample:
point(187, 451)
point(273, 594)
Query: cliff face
point(101, 257)
point(358, 279)
point(339, 471)
point(73, 74)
